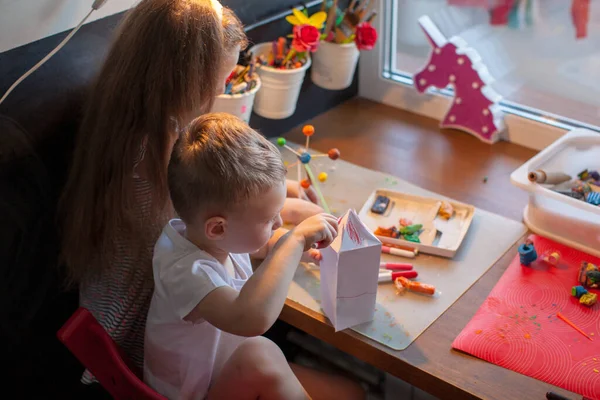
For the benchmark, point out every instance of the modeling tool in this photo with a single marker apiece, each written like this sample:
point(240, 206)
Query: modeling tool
point(304, 158)
point(572, 325)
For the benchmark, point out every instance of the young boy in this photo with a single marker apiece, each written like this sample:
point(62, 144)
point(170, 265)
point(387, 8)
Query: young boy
point(227, 183)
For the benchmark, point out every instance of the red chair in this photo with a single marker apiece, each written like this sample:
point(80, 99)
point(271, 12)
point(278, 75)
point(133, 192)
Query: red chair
point(96, 350)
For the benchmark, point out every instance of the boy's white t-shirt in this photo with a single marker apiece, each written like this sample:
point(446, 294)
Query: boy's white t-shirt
point(181, 358)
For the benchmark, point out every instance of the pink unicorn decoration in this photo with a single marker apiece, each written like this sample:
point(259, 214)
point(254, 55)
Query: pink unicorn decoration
point(475, 106)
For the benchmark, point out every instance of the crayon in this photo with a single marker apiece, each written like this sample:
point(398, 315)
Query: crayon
point(240, 87)
point(397, 252)
point(402, 247)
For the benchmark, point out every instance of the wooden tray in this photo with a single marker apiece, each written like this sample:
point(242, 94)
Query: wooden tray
point(439, 236)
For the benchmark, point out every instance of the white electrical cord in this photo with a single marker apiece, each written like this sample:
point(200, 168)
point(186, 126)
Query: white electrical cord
point(96, 5)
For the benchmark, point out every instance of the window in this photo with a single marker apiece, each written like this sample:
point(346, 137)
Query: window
point(548, 78)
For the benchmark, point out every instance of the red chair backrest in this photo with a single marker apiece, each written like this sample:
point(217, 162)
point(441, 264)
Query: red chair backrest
point(96, 350)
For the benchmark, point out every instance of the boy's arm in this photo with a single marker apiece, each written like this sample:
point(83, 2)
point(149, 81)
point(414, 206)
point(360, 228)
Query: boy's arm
point(312, 255)
point(251, 311)
point(262, 253)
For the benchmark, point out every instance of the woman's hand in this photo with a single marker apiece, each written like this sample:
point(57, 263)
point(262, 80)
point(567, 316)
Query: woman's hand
point(294, 190)
point(312, 255)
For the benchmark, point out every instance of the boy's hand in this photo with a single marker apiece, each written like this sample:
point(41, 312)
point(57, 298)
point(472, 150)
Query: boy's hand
point(321, 229)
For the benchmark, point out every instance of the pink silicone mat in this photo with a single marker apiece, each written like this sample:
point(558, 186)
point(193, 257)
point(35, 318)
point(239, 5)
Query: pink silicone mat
point(517, 327)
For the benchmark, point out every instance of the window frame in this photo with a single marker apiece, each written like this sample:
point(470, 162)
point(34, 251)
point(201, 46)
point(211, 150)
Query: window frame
point(378, 81)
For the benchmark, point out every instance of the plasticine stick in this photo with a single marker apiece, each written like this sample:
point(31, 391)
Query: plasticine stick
point(311, 176)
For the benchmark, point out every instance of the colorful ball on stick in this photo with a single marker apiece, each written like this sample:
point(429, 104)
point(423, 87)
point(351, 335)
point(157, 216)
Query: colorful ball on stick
point(304, 158)
point(308, 130)
point(322, 176)
point(281, 142)
point(305, 183)
point(334, 154)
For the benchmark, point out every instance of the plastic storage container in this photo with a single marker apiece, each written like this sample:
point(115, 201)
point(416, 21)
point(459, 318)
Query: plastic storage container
point(554, 215)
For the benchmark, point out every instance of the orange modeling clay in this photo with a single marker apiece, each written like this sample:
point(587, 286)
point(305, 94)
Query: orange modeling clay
point(388, 232)
point(402, 284)
point(446, 210)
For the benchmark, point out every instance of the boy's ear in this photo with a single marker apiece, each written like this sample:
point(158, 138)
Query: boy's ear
point(215, 228)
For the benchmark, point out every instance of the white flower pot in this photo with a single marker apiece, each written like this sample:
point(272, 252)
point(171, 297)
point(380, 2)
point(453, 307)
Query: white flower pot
point(280, 87)
point(334, 65)
point(239, 104)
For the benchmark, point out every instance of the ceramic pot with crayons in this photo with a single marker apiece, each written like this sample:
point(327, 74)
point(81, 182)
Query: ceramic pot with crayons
point(344, 35)
point(334, 65)
point(240, 91)
point(280, 86)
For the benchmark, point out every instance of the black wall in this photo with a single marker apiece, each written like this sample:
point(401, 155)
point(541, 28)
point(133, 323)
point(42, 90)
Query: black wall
point(54, 93)
point(38, 122)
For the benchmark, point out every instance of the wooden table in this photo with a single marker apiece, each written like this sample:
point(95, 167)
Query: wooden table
point(453, 164)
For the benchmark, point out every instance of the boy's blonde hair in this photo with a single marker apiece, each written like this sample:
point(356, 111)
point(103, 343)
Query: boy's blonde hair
point(218, 163)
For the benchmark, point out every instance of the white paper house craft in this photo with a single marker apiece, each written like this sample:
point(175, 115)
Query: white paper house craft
point(349, 272)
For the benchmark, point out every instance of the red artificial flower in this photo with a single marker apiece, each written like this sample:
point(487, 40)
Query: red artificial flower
point(366, 36)
point(306, 38)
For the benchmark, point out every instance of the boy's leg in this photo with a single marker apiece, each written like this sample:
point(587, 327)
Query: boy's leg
point(324, 386)
point(257, 369)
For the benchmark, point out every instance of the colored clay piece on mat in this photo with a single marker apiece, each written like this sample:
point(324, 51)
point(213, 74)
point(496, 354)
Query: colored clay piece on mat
point(551, 257)
point(578, 291)
point(588, 299)
point(588, 275)
point(474, 107)
point(527, 253)
point(555, 353)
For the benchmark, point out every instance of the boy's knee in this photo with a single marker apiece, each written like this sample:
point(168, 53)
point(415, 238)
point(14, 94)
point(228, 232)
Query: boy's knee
point(263, 361)
point(260, 348)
